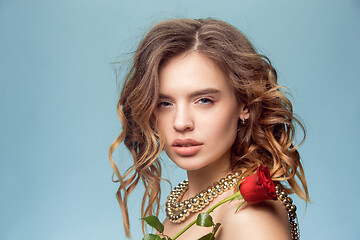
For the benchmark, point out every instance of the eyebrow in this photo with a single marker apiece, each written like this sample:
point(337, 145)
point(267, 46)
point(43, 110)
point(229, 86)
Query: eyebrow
point(195, 94)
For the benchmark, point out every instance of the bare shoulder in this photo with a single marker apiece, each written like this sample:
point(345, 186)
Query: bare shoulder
point(166, 223)
point(266, 220)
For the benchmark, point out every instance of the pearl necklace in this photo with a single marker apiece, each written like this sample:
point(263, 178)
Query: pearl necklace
point(291, 209)
point(177, 211)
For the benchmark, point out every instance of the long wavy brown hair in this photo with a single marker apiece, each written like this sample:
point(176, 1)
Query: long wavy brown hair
point(267, 137)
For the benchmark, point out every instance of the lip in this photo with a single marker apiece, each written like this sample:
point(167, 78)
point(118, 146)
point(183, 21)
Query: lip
point(186, 146)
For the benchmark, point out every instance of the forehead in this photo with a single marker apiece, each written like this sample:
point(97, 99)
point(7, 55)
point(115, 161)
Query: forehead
point(192, 71)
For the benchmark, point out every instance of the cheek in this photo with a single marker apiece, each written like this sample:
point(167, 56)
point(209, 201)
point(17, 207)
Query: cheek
point(222, 126)
point(163, 126)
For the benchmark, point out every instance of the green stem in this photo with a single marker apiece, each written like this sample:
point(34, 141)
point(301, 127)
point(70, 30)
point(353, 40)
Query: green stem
point(232, 197)
point(184, 229)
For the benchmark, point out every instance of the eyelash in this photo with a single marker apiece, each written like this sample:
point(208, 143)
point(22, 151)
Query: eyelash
point(165, 104)
point(209, 101)
point(162, 104)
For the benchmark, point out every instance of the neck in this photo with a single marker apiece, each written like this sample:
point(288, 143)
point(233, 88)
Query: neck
point(201, 178)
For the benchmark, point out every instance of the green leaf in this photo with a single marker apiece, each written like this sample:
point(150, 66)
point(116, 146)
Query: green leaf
point(204, 220)
point(154, 222)
point(151, 237)
point(209, 236)
point(239, 206)
point(216, 228)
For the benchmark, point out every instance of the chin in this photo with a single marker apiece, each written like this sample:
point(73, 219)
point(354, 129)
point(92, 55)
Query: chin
point(189, 167)
point(194, 162)
point(189, 164)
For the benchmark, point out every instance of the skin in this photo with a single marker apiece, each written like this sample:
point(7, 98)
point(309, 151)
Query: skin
point(197, 102)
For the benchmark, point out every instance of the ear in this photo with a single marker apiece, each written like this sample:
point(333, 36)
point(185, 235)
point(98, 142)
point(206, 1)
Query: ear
point(244, 112)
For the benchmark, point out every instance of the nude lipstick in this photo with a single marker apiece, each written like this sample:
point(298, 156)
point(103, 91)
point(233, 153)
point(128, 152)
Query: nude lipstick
point(186, 146)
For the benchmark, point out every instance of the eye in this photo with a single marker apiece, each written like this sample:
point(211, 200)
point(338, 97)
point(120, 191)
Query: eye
point(205, 101)
point(164, 104)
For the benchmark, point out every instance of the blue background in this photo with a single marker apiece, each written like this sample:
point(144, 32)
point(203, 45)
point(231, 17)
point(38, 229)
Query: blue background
point(58, 94)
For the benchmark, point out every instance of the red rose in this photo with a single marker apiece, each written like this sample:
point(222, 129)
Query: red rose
point(258, 187)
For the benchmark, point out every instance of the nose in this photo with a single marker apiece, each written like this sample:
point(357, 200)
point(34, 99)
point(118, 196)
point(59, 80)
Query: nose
point(183, 120)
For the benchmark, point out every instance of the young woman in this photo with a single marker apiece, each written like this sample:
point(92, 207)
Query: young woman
point(198, 90)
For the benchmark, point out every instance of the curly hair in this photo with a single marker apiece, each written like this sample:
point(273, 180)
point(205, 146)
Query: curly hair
point(267, 137)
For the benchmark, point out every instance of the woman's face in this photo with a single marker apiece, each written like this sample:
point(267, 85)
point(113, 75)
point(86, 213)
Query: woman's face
point(197, 112)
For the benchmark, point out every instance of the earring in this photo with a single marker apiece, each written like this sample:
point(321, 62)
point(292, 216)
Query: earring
point(242, 121)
